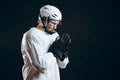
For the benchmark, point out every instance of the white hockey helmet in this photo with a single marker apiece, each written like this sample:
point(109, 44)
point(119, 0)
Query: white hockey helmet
point(51, 11)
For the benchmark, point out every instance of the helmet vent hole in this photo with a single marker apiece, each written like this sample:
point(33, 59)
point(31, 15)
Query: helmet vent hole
point(54, 16)
point(45, 8)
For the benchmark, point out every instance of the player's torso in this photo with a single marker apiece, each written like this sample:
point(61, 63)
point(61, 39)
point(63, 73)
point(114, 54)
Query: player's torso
point(44, 39)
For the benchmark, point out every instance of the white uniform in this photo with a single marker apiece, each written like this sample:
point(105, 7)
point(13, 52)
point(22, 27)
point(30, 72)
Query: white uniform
point(36, 42)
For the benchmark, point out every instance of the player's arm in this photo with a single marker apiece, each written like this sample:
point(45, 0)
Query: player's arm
point(36, 56)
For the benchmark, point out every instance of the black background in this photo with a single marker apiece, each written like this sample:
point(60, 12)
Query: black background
point(92, 24)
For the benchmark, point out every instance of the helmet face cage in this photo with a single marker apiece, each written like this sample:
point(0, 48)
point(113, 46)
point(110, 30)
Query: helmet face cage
point(48, 13)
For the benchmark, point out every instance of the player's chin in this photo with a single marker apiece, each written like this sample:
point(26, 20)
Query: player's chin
point(49, 29)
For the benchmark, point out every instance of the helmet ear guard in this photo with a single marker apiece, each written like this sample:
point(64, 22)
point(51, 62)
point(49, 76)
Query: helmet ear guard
point(42, 19)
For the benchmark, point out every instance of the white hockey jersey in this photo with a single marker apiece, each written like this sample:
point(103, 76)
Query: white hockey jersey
point(34, 48)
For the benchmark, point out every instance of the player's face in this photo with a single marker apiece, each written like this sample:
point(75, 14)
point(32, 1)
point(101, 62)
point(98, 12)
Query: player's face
point(52, 25)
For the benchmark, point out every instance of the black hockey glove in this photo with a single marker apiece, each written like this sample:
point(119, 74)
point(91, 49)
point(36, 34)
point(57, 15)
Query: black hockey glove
point(60, 47)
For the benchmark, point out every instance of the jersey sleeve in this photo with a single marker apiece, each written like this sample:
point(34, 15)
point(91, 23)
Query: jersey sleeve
point(37, 57)
point(63, 64)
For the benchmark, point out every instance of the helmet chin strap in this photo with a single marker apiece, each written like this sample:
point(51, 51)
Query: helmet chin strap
point(50, 32)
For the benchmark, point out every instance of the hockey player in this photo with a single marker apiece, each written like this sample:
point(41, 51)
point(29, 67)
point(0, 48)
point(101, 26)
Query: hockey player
point(44, 50)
